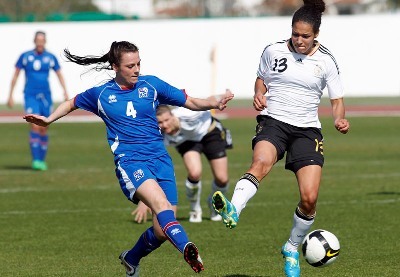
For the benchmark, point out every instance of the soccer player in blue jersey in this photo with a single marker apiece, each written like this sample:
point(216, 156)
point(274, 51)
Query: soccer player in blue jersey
point(127, 104)
point(37, 64)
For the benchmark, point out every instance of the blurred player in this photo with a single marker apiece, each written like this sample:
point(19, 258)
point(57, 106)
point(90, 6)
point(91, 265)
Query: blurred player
point(290, 81)
point(37, 95)
point(193, 133)
point(127, 104)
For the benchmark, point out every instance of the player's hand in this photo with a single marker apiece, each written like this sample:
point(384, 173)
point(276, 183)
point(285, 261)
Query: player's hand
point(259, 101)
point(36, 119)
point(141, 212)
point(342, 125)
point(224, 99)
point(10, 103)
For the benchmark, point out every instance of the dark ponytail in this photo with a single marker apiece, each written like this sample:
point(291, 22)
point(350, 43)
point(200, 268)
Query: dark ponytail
point(310, 12)
point(107, 60)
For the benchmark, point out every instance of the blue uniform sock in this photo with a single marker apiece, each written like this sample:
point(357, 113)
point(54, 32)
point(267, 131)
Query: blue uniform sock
point(146, 244)
point(173, 229)
point(44, 141)
point(34, 143)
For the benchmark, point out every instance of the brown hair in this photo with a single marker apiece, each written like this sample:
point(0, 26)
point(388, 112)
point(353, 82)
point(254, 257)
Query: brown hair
point(107, 60)
point(310, 12)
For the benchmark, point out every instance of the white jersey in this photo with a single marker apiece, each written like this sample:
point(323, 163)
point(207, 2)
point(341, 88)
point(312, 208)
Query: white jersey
point(194, 125)
point(295, 83)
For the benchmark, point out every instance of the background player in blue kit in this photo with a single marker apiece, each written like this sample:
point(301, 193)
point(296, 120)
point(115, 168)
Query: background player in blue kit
point(127, 104)
point(37, 64)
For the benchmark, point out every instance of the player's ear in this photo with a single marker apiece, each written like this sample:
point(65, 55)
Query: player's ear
point(115, 67)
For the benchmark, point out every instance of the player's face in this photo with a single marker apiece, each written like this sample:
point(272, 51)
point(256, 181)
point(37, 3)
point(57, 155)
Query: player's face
point(40, 42)
point(303, 37)
point(168, 123)
point(127, 72)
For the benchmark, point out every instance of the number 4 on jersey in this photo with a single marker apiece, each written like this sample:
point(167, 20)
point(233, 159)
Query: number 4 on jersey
point(130, 110)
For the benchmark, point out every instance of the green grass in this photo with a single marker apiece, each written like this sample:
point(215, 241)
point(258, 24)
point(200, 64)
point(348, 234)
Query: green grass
point(73, 220)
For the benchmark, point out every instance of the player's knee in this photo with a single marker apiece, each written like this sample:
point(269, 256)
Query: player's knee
point(194, 175)
point(221, 181)
point(261, 166)
point(309, 204)
point(159, 204)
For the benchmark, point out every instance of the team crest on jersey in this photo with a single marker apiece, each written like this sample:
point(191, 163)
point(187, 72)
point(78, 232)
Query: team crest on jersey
point(318, 71)
point(46, 59)
point(31, 58)
point(112, 98)
point(138, 174)
point(143, 92)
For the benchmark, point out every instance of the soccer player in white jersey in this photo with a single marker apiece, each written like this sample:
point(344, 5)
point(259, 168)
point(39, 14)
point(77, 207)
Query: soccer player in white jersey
point(193, 133)
point(127, 104)
point(290, 81)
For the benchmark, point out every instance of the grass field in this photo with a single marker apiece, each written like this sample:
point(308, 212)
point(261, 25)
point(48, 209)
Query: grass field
point(73, 220)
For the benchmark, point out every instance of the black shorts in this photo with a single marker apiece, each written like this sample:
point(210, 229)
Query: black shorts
point(303, 145)
point(213, 145)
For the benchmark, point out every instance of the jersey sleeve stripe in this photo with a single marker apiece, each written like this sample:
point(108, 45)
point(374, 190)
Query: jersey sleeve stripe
point(325, 51)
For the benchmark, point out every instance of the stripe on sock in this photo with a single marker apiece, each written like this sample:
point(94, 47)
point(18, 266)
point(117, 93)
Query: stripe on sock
point(300, 214)
point(251, 178)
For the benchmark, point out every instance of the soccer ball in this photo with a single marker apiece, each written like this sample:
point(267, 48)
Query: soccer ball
point(320, 248)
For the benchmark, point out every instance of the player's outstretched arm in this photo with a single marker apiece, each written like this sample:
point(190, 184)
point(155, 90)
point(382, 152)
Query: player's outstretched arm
point(213, 102)
point(62, 83)
point(338, 113)
point(62, 110)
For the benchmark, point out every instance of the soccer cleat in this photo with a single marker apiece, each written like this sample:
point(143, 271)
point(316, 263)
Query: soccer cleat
point(225, 209)
point(195, 216)
point(131, 271)
point(39, 165)
point(292, 263)
point(214, 216)
point(43, 166)
point(192, 257)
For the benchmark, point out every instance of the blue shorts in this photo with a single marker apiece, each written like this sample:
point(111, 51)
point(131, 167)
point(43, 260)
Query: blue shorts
point(40, 104)
point(131, 174)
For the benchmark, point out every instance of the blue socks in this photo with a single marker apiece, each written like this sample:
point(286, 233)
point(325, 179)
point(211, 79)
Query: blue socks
point(44, 140)
point(38, 145)
point(173, 229)
point(34, 143)
point(146, 244)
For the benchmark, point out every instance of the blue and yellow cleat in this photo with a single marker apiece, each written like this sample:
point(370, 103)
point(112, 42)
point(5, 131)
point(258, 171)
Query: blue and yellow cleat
point(225, 209)
point(292, 264)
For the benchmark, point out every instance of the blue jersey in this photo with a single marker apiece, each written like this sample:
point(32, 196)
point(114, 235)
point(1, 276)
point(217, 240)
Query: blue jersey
point(37, 68)
point(130, 115)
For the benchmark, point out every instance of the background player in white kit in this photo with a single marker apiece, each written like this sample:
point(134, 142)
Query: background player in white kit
point(193, 133)
point(290, 81)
